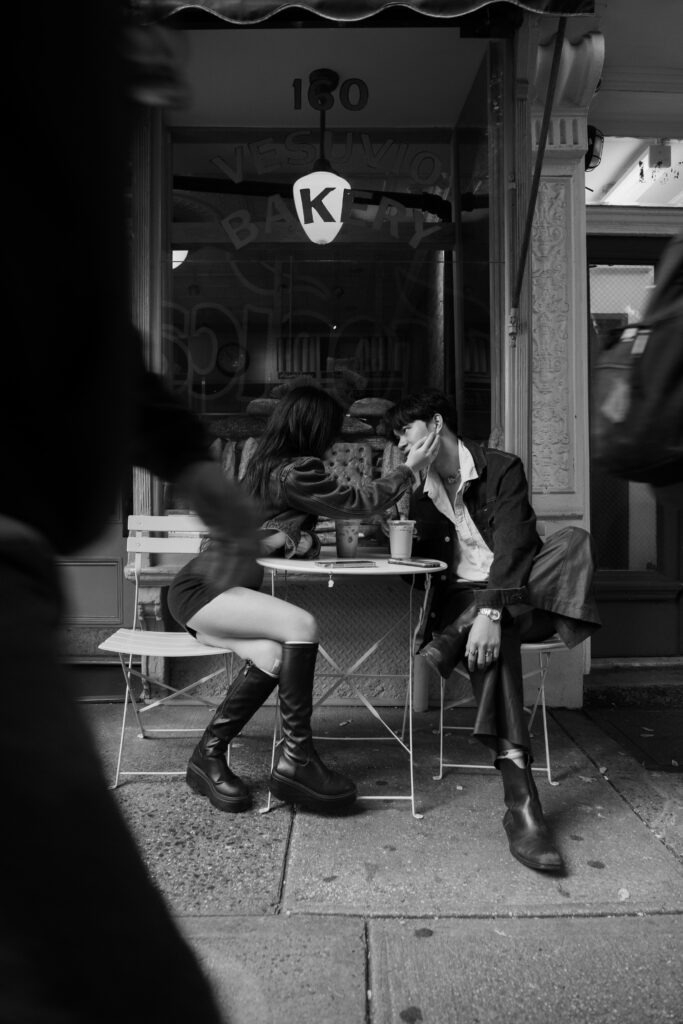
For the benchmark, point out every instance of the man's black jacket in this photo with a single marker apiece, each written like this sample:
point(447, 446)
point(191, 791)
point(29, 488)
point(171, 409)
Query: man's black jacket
point(499, 505)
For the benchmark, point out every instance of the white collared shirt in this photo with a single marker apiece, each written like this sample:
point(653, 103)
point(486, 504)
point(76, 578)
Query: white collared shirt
point(474, 555)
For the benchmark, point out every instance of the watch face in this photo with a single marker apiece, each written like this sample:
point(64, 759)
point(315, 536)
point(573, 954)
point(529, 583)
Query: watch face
point(232, 359)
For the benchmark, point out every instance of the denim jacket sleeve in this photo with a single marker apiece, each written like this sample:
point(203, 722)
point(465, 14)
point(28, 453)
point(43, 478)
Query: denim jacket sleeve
point(293, 526)
point(306, 485)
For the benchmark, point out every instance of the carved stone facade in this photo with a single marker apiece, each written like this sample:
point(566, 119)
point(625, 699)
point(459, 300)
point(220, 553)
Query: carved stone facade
point(552, 456)
point(559, 413)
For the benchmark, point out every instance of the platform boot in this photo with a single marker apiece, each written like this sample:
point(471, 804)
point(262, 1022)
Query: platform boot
point(526, 828)
point(207, 772)
point(446, 649)
point(300, 777)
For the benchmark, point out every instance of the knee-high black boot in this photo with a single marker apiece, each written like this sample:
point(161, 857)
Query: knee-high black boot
point(207, 771)
point(300, 776)
point(445, 650)
point(527, 831)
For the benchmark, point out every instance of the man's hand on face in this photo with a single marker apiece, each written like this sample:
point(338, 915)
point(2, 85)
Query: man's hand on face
point(423, 452)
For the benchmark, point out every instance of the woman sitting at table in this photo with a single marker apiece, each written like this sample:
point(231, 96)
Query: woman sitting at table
point(279, 641)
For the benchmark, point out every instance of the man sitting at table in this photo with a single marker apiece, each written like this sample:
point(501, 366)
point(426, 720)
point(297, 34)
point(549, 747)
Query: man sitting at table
point(504, 586)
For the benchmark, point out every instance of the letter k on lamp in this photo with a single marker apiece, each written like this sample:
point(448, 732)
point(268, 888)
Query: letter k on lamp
point(319, 202)
point(319, 196)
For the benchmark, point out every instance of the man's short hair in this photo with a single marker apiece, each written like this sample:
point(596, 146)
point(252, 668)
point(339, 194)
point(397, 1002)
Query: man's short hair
point(421, 406)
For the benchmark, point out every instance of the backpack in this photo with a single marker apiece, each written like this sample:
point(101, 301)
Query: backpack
point(637, 414)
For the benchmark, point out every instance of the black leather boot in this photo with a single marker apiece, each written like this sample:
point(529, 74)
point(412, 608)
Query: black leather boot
point(207, 771)
point(527, 831)
point(300, 777)
point(445, 650)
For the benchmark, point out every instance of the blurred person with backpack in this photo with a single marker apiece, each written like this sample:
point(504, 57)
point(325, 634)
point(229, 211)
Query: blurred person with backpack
point(637, 418)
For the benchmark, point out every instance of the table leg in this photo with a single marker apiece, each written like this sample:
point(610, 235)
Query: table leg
point(347, 674)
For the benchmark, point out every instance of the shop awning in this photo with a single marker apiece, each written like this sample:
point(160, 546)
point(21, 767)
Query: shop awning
point(251, 12)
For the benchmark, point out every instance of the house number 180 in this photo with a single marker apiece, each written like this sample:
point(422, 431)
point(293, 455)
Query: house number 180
point(353, 94)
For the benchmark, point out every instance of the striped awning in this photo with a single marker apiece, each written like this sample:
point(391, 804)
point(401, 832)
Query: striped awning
point(251, 12)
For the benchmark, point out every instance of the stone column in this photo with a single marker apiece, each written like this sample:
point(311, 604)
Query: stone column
point(559, 313)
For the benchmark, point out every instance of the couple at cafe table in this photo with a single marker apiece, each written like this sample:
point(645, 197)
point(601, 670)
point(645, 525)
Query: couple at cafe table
point(503, 587)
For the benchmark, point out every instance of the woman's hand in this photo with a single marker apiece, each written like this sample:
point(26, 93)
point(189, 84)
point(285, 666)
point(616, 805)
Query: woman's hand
point(305, 544)
point(423, 452)
point(271, 541)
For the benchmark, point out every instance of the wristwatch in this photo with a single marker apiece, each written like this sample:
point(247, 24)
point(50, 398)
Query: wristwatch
point(493, 614)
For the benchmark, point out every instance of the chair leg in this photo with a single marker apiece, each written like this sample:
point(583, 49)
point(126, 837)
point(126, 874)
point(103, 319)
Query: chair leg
point(129, 696)
point(545, 737)
point(121, 739)
point(228, 661)
point(543, 666)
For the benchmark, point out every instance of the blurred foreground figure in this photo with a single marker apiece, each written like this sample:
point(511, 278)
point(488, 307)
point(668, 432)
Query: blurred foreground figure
point(75, 898)
point(637, 414)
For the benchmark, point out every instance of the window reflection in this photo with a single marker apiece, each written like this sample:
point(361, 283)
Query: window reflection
point(623, 513)
point(237, 329)
point(253, 305)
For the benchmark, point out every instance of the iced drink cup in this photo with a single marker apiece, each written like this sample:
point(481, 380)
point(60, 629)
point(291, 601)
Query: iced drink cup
point(401, 537)
point(346, 537)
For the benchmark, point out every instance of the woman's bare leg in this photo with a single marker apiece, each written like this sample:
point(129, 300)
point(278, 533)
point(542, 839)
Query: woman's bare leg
point(253, 625)
point(270, 634)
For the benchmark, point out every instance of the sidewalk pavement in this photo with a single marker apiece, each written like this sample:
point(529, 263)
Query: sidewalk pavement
point(382, 918)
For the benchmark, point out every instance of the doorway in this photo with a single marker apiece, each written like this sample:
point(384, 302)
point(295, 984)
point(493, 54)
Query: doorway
point(639, 541)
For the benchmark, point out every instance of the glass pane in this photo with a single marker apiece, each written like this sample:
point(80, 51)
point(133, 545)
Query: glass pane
point(618, 294)
point(623, 513)
point(254, 305)
point(637, 172)
point(237, 329)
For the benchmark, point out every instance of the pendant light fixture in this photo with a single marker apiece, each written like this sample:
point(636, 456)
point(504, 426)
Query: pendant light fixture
point(596, 141)
point(319, 196)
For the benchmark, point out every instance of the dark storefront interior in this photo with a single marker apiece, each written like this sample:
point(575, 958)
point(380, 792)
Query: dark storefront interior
point(400, 300)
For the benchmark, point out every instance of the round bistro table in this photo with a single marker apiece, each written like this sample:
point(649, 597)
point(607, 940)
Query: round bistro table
point(331, 569)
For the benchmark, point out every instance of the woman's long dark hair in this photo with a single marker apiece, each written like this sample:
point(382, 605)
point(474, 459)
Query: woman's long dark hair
point(305, 422)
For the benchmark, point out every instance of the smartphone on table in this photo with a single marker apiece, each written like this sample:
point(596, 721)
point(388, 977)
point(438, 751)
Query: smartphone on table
point(423, 563)
point(348, 563)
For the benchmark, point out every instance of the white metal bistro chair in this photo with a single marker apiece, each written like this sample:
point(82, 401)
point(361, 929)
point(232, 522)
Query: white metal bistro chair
point(543, 650)
point(161, 535)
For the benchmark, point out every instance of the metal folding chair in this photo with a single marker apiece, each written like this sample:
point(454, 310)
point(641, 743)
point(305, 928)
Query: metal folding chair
point(544, 650)
point(149, 535)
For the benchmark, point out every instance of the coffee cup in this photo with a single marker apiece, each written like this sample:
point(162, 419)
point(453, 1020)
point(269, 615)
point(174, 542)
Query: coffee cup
point(346, 537)
point(401, 537)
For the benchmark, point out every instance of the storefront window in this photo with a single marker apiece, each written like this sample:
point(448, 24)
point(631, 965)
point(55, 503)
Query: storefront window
point(362, 323)
point(253, 305)
point(623, 513)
